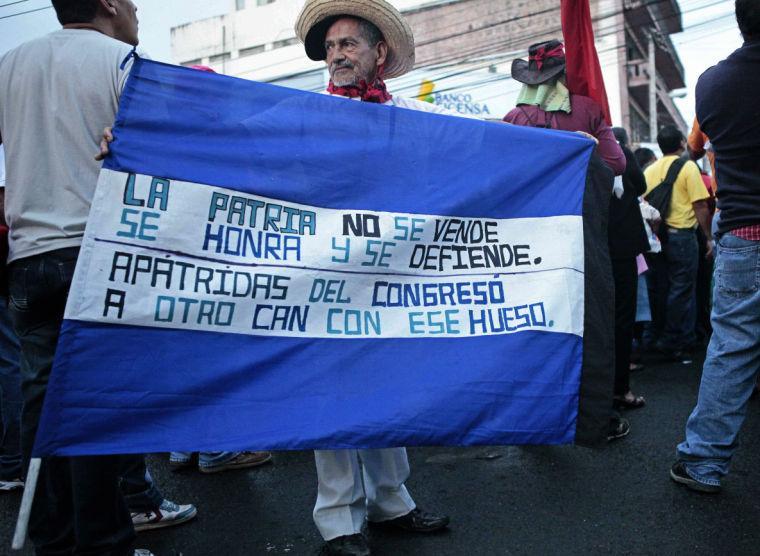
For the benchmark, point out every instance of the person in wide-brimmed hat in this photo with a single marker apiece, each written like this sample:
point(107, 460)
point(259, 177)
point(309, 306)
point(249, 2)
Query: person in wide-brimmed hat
point(545, 101)
point(362, 42)
point(317, 16)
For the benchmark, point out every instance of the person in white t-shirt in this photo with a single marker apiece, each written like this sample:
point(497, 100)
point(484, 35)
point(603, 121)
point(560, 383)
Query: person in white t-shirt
point(57, 93)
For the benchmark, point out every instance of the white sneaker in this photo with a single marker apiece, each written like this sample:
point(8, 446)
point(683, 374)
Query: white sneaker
point(13, 484)
point(143, 552)
point(167, 514)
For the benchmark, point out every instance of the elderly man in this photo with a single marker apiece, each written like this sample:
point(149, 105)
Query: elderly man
point(362, 42)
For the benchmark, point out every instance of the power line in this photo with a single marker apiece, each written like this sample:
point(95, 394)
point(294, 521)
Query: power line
point(508, 55)
point(492, 79)
point(13, 3)
point(487, 43)
point(524, 16)
point(26, 12)
point(526, 38)
point(466, 6)
point(487, 47)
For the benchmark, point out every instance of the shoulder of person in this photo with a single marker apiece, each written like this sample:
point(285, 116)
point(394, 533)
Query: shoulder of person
point(108, 46)
point(122, 49)
point(588, 106)
point(715, 76)
point(29, 45)
point(511, 116)
point(583, 102)
point(692, 168)
point(652, 171)
point(707, 78)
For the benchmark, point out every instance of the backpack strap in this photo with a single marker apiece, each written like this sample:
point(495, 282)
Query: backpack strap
point(527, 116)
point(547, 119)
point(673, 171)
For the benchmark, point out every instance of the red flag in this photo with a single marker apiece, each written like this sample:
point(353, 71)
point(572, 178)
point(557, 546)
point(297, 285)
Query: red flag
point(584, 74)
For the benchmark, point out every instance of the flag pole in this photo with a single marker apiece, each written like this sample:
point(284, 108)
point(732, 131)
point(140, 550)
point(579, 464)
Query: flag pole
point(22, 524)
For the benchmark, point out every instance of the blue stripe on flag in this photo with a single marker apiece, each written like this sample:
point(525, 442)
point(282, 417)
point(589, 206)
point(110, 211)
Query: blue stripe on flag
point(159, 390)
point(180, 123)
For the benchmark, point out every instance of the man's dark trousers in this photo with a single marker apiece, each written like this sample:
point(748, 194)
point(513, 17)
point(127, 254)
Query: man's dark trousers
point(140, 492)
point(625, 273)
point(78, 508)
point(657, 286)
point(682, 256)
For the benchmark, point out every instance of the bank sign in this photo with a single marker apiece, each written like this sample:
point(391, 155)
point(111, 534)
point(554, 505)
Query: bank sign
point(455, 101)
point(481, 98)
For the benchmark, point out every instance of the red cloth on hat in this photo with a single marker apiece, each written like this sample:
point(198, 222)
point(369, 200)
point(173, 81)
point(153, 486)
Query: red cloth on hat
point(584, 74)
point(542, 54)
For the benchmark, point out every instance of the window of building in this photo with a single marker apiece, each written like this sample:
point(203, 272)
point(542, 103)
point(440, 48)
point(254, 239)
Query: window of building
point(252, 50)
point(240, 4)
point(284, 42)
point(216, 58)
point(263, 2)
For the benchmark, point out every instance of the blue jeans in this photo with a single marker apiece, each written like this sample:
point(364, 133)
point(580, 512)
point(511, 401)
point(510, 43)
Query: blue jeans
point(206, 459)
point(732, 364)
point(137, 485)
point(682, 258)
point(10, 399)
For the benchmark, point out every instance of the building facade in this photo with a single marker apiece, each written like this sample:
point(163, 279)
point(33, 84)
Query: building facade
point(464, 52)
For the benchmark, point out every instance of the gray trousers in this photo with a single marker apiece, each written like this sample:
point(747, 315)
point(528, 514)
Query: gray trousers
point(359, 485)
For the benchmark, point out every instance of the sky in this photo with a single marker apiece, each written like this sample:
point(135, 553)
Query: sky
point(710, 31)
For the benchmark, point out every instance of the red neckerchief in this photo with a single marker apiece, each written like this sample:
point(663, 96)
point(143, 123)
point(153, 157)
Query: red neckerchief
point(543, 54)
point(373, 93)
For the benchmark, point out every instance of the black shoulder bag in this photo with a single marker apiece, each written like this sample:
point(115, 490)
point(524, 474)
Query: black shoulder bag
point(660, 196)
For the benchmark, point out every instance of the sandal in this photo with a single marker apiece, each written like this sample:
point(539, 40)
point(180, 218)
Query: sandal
point(629, 403)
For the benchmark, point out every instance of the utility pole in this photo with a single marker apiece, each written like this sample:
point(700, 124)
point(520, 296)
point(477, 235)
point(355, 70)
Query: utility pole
point(224, 49)
point(652, 87)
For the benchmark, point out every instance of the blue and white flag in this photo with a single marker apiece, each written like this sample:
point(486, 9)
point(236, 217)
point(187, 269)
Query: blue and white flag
point(265, 268)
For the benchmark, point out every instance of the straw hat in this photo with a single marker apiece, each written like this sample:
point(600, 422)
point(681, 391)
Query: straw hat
point(317, 16)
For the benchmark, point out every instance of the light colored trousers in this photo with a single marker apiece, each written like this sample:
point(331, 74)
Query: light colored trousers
point(354, 485)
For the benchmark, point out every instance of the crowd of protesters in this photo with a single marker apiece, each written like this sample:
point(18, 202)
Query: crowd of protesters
point(668, 243)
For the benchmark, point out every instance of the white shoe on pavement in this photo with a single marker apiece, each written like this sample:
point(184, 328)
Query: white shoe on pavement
point(14, 484)
point(143, 552)
point(167, 514)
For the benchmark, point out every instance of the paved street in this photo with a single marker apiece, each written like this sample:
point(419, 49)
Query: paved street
point(503, 500)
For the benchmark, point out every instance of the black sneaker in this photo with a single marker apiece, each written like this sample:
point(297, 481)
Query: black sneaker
point(674, 355)
point(348, 545)
point(416, 521)
point(679, 474)
point(619, 428)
